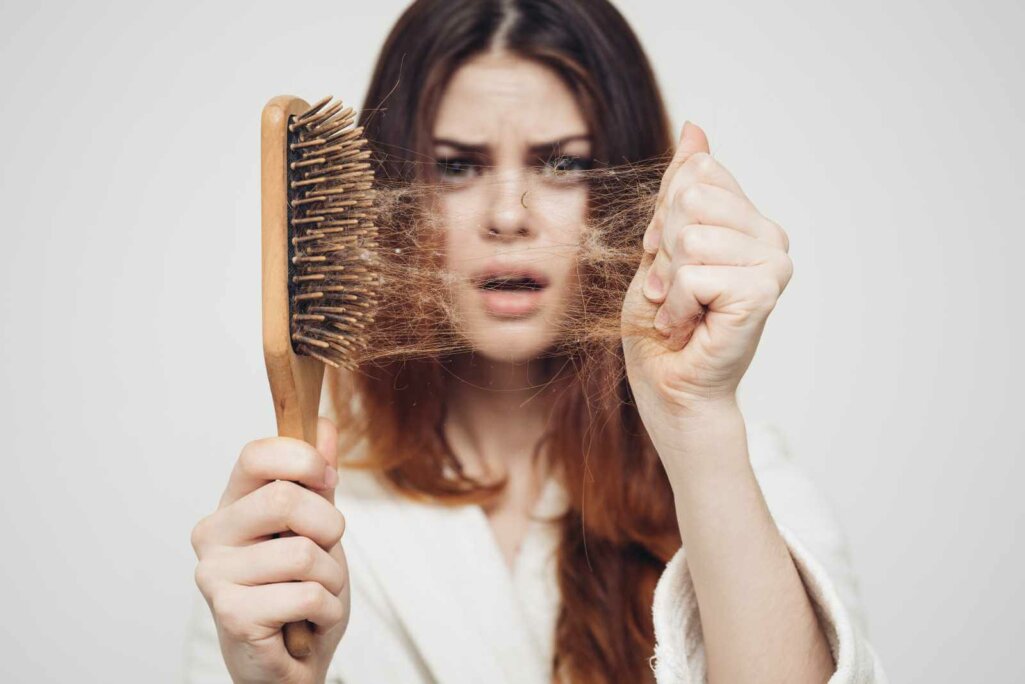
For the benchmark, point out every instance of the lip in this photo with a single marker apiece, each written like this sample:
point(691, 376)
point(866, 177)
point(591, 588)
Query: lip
point(510, 303)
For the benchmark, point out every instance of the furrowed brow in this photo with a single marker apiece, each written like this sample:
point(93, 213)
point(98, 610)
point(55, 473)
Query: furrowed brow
point(537, 148)
point(541, 148)
point(462, 146)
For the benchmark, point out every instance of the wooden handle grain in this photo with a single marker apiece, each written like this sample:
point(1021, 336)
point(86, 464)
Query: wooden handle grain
point(295, 381)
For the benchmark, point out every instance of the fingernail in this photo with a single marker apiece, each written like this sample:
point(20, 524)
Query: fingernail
point(662, 321)
point(653, 285)
point(330, 477)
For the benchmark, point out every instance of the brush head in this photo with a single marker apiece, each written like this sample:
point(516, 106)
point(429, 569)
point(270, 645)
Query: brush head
point(332, 236)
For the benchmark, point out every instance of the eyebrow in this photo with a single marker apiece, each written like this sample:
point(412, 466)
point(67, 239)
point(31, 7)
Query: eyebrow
point(536, 148)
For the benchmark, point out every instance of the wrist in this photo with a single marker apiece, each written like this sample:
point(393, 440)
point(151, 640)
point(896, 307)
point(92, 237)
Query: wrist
point(720, 408)
point(708, 441)
point(684, 429)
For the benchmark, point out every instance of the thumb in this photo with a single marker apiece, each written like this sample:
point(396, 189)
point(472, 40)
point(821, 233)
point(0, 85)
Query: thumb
point(327, 445)
point(692, 140)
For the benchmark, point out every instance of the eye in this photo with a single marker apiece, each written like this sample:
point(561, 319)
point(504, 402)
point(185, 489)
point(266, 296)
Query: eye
point(456, 168)
point(566, 166)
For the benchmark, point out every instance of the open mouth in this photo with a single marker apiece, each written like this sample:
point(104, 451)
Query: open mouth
point(512, 283)
point(511, 293)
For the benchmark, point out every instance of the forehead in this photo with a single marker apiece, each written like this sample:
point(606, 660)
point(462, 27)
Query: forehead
point(496, 96)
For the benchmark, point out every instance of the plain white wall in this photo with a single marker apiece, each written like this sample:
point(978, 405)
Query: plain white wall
point(884, 136)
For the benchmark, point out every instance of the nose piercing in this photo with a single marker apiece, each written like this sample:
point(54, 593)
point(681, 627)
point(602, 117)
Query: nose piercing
point(521, 198)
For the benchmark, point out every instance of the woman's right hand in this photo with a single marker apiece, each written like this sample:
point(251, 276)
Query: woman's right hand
point(248, 577)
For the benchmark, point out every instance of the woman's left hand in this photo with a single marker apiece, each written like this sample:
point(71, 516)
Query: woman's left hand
point(712, 270)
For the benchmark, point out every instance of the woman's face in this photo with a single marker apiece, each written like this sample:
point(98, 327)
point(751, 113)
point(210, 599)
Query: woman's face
point(509, 140)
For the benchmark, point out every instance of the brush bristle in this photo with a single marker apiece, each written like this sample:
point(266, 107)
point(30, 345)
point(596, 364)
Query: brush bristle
point(333, 248)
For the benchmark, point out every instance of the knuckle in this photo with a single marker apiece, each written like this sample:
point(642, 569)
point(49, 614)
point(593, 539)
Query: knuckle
point(281, 497)
point(690, 238)
point(691, 196)
point(247, 457)
point(784, 238)
point(338, 579)
point(303, 557)
point(339, 527)
point(679, 240)
point(198, 536)
point(314, 465)
point(204, 578)
point(779, 235)
point(311, 594)
point(682, 276)
point(704, 163)
point(786, 267)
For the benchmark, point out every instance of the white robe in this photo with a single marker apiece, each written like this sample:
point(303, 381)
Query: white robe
point(433, 599)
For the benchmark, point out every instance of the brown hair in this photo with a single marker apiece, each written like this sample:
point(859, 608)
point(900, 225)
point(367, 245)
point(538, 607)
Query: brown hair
point(620, 527)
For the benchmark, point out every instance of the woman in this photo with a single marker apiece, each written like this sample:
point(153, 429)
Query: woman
point(522, 516)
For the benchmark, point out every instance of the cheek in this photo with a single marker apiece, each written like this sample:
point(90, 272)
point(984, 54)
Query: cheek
point(560, 212)
point(562, 216)
point(457, 218)
point(455, 250)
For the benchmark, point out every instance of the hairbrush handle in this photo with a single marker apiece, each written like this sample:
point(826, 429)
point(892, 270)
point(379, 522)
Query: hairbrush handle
point(295, 381)
point(296, 423)
point(297, 417)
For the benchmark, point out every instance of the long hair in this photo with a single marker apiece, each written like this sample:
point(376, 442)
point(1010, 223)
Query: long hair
point(620, 527)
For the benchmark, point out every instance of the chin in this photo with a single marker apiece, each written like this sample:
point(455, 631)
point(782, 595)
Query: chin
point(510, 342)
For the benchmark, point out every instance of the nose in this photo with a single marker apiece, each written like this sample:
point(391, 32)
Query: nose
point(508, 216)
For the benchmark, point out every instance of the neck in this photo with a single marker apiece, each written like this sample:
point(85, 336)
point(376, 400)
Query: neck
point(497, 412)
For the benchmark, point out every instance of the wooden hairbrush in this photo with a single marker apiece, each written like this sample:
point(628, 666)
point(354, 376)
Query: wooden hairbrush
point(319, 263)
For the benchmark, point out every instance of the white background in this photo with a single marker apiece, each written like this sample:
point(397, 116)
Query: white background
point(886, 137)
